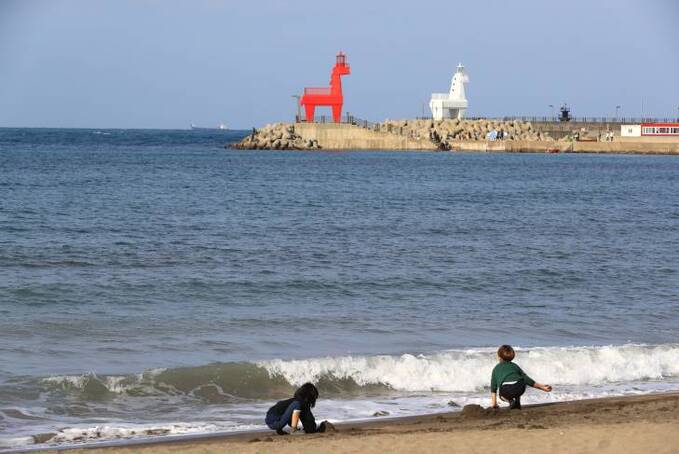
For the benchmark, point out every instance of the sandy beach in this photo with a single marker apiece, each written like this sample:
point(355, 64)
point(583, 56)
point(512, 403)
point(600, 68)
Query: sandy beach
point(634, 424)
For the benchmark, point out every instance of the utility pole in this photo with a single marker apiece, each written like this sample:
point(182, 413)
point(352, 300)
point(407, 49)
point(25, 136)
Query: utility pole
point(553, 113)
point(298, 117)
point(617, 108)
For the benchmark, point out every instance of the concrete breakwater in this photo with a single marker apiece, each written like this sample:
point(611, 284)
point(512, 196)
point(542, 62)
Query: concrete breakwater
point(453, 135)
point(390, 134)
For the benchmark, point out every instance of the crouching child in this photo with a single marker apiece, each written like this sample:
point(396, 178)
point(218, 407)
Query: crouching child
point(509, 380)
point(291, 412)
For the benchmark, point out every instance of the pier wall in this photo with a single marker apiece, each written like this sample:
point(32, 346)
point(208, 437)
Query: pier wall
point(616, 147)
point(349, 137)
point(332, 136)
point(560, 129)
point(416, 137)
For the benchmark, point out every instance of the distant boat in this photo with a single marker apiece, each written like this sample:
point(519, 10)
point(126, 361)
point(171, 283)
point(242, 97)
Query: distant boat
point(221, 127)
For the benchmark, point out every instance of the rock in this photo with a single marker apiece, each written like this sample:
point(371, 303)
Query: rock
point(43, 437)
point(327, 426)
point(472, 411)
point(381, 413)
point(452, 403)
point(156, 431)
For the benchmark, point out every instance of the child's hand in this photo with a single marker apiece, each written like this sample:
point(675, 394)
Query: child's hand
point(547, 388)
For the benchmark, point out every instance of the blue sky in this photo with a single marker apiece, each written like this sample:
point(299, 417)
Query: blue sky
point(166, 63)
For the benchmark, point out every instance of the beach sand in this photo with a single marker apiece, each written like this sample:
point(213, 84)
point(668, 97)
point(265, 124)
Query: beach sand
point(634, 424)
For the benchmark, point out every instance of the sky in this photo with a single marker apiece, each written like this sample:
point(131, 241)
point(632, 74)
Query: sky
point(168, 63)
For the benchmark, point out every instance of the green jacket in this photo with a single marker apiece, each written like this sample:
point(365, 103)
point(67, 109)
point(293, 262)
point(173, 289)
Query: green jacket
point(507, 371)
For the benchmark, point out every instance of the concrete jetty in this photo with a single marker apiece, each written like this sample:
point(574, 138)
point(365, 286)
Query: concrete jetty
point(484, 135)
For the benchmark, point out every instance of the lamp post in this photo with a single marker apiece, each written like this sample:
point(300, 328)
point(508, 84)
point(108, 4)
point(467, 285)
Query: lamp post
point(298, 117)
point(552, 107)
point(617, 108)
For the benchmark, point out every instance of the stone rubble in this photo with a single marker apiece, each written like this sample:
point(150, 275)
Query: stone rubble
point(445, 132)
point(276, 136)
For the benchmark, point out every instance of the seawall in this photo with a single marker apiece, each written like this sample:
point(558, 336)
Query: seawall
point(461, 136)
point(526, 146)
point(561, 129)
point(331, 136)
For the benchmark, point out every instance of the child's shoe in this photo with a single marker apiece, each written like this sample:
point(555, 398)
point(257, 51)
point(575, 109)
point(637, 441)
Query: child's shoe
point(515, 404)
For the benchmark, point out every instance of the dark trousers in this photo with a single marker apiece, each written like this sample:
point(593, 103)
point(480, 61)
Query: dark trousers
point(277, 422)
point(513, 391)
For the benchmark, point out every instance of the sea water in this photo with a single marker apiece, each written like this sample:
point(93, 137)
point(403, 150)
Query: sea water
point(155, 283)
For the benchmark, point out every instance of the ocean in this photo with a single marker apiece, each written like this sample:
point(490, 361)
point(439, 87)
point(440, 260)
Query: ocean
point(154, 283)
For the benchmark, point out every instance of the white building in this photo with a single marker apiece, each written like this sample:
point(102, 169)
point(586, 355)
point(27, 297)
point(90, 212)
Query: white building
point(454, 103)
point(630, 130)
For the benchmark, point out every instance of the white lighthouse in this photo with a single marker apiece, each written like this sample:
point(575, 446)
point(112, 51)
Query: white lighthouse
point(452, 104)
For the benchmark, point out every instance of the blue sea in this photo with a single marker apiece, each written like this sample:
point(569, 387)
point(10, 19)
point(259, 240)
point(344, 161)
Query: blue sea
point(153, 282)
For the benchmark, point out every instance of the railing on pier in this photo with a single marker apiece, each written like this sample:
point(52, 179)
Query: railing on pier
point(353, 120)
point(369, 125)
point(347, 119)
point(317, 91)
point(539, 119)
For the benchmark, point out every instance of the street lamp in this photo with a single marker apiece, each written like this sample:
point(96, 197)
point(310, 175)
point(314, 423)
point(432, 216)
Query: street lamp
point(617, 108)
point(299, 114)
point(552, 106)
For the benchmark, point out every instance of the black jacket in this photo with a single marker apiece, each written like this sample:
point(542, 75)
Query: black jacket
point(307, 418)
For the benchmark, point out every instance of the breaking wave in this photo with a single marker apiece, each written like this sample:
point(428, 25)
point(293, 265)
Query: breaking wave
point(448, 371)
point(234, 396)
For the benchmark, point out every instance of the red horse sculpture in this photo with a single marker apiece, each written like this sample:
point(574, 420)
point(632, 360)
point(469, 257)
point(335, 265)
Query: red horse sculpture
point(331, 96)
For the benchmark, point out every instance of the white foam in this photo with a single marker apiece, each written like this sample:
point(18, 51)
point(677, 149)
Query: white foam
point(67, 381)
point(82, 434)
point(117, 384)
point(469, 370)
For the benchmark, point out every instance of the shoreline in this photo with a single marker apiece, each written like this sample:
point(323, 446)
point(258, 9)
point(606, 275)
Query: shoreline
point(657, 412)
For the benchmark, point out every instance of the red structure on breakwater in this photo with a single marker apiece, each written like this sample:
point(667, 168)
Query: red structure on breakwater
point(327, 96)
point(660, 129)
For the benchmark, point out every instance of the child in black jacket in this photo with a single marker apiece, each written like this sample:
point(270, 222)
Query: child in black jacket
point(290, 412)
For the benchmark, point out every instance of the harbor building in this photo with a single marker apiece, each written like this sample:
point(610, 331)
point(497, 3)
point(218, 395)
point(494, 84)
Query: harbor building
point(650, 130)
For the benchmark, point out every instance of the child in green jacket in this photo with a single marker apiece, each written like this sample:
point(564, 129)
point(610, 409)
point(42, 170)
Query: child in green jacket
point(510, 380)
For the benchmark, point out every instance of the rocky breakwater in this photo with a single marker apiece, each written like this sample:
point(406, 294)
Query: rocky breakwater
point(450, 134)
point(446, 134)
point(276, 136)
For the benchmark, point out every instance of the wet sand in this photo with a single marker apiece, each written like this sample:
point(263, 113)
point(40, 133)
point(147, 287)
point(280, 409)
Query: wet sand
point(634, 424)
